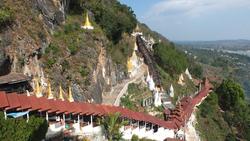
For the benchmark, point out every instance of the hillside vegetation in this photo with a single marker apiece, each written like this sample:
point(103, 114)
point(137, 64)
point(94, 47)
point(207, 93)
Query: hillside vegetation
point(225, 115)
point(20, 130)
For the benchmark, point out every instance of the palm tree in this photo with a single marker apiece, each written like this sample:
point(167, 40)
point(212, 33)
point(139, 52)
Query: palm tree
point(111, 125)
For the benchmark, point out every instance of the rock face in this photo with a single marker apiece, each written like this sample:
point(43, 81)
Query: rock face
point(53, 11)
point(23, 47)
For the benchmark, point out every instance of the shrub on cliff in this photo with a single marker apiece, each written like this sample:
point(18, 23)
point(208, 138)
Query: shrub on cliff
point(20, 130)
point(6, 16)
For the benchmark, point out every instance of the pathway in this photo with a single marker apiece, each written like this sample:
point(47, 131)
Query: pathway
point(113, 98)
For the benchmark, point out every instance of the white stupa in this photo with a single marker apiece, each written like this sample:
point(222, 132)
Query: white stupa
point(188, 74)
point(157, 99)
point(171, 91)
point(181, 80)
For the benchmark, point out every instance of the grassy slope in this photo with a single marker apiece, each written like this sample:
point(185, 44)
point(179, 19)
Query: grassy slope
point(211, 124)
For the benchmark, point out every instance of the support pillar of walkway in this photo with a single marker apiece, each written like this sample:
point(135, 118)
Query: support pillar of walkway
point(91, 120)
point(5, 115)
point(47, 116)
point(28, 117)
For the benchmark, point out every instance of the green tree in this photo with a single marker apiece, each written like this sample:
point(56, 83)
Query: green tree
point(20, 130)
point(169, 58)
point(111, 125)
point(231, 95)
point(230, 137)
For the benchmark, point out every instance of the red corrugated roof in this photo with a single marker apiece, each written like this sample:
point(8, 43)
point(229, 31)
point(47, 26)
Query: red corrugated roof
point(13, 101)
point(44, 104)
point(182, 112)
point(53, 106)
point(3, 100)
point(24, 102)
point(34, 102)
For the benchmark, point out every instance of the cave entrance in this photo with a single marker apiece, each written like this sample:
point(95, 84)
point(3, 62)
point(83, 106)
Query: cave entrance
point(5, 67)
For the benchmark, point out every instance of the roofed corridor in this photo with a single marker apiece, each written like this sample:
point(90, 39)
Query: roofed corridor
point(81, 117)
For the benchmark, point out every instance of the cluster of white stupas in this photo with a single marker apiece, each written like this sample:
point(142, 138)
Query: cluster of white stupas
point(181, 80)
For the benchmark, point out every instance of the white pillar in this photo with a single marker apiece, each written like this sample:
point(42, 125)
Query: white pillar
point(91, 120)
point(28, 117)
point(64, 122)
point(5, 115)
point(47, 116)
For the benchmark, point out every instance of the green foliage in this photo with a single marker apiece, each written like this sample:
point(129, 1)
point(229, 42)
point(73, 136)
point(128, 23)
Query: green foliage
point(68, 28)
point(230, 137)
point(20, 130)
point(231, 95)
point(211, 124)
point(50, 62)
point(133, 88)
point(83, 71)
point(169, 58)
point(114, 17)
point(126, 102)
point(135, 138)
point(52, 48)
point(72, 49)
point(196, 70)
point(136, 93)
point(111, 125)
point(6, 16)
point(208, 107)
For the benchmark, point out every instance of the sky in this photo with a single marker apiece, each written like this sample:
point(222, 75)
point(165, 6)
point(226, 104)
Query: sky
point(195, 20)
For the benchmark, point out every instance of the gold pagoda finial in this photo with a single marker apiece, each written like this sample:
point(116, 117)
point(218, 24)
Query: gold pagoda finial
point(70, 97)
point(50, 95)
point(61, 93)
point(38, 88)
point(87, 24)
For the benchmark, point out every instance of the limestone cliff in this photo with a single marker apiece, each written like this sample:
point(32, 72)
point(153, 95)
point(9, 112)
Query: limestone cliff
point(44, 41)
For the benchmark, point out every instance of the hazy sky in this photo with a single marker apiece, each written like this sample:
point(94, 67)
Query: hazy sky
point(195, 19)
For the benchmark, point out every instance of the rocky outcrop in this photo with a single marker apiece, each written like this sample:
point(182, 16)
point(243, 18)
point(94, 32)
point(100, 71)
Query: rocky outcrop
point(53, 11)
point(23, 45)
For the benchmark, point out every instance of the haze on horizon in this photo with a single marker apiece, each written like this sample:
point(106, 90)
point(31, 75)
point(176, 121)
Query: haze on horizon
point(192, 20)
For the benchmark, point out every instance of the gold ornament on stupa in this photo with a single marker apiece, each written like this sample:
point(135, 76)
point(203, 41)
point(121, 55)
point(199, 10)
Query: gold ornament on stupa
point(87, 24)
point(70, 97)
point(61, 93)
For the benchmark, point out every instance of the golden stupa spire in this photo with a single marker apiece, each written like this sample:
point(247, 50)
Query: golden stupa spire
point(38, 88)
point(70, 97)
point(61, 93)
point(87, 24)
point(50, 95)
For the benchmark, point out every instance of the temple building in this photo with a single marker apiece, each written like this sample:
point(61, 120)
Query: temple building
point(87, 24)
point(15, 82)
point(80, 118)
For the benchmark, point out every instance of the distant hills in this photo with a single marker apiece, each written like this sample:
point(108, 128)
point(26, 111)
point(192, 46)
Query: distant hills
point(240, 44)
